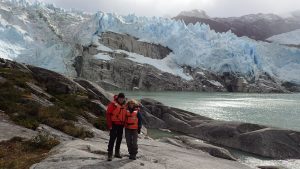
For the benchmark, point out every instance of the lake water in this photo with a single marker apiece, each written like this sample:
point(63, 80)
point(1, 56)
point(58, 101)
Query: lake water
point(278, 110)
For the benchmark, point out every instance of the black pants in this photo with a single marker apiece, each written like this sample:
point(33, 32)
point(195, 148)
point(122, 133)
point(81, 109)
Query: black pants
point(131, 140)
point(116, 133)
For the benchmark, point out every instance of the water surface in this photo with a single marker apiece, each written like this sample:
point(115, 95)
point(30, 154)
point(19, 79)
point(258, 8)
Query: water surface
point(277, 110)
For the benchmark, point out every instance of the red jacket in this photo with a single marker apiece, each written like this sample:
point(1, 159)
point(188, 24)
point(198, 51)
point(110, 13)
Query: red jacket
point(110, 108)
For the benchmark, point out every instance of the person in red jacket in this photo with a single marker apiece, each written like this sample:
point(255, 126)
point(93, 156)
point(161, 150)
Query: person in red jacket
point(115, 117)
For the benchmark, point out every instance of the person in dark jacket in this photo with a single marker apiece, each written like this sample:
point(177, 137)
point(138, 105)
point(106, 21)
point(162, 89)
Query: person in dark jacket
point(133, 125)
point(115, 117)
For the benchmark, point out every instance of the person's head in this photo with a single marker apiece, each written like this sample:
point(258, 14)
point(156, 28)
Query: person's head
point(121, 98)
point(132, 103)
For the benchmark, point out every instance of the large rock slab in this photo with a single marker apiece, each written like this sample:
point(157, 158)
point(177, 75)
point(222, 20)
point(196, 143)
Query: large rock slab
point(252, 138)
point(205, 147)
point(8, 130)
point(55, 82)
point(91, 154)
point(95, 91)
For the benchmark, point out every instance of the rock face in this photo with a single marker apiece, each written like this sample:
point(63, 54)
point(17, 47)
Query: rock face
point(262, 84)
point(119, 72)
point(131, 44)
point(293, 87)
point(55, 82)
point(257, 139)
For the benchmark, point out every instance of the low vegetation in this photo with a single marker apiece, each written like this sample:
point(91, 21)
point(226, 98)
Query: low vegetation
point(18, 153)
point(14, 96)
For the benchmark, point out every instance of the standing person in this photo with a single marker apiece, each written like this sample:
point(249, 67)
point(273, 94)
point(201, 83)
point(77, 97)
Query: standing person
point(133, 125)
point(115, 117)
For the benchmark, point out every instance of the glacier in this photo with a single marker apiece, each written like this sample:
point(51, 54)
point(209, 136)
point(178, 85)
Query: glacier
point(199, 46)
point(38, 34)
point(46, 36)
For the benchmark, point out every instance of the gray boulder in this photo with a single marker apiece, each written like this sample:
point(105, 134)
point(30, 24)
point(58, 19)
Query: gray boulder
point(211, 149)
point(252, 138)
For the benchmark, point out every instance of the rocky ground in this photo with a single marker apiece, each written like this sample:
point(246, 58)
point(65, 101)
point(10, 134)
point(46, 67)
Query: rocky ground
point(38, 102)
point(91, 154)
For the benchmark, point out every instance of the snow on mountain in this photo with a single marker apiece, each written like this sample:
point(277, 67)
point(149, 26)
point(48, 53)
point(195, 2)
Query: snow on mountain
point(259, 16)
point(194, 13)
point(290, 38)
point(46, 36)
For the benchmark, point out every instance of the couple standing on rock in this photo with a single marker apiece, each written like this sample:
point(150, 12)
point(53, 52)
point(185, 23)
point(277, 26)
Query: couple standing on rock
point(119, 115)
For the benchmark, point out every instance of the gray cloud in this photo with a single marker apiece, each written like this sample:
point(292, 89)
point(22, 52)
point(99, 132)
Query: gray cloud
point(220, 8)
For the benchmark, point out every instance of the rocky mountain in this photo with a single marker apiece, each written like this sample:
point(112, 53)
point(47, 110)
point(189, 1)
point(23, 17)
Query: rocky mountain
point(256, 26)
point(195, 13)
point(131, 52)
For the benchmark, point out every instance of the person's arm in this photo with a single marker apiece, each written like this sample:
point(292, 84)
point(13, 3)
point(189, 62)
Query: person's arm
point(109, 110)
point(140, 124)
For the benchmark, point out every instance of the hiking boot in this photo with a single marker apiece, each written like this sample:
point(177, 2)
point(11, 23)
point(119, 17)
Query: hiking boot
point(109, 157)
point(118, 155)
point(132, 157)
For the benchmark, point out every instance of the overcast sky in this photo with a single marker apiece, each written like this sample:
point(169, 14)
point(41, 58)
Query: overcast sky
point(215, 8)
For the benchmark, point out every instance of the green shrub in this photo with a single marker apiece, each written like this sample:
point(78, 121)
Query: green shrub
point(43, 142)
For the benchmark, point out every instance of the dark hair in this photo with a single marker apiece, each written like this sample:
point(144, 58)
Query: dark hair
point(121, 95)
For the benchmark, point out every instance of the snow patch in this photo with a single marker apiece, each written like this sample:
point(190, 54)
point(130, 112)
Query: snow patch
point(289, 38)
point(104, 48)
point(166, 65)
point(103, 56)
point(215, 83)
